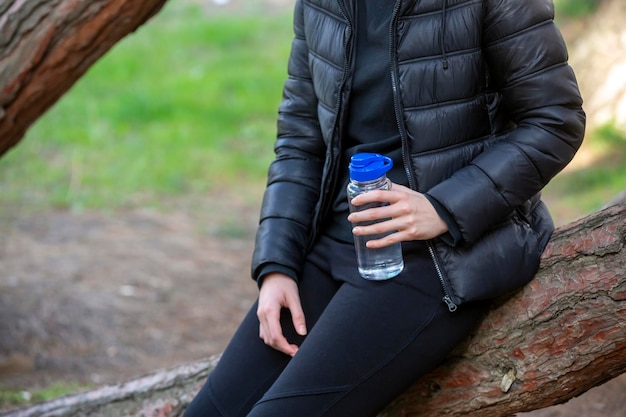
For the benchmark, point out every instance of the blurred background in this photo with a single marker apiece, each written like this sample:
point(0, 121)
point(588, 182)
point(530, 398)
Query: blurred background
point(128, 211)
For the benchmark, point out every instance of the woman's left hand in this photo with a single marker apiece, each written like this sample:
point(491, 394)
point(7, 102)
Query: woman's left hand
point(409, 215)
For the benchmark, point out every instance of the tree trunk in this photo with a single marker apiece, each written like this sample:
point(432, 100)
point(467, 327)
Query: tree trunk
point(46, 45)
point(558, 337)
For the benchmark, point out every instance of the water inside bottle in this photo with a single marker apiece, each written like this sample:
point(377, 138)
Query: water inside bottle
point(379, 264)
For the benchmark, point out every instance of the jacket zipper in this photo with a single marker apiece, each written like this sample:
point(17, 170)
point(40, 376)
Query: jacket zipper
point(396, 101)
point(452, 307)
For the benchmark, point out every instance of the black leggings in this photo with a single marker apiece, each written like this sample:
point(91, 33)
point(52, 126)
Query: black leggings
point(367, 342)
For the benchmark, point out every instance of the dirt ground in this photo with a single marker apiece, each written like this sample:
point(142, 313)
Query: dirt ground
point(100, 297)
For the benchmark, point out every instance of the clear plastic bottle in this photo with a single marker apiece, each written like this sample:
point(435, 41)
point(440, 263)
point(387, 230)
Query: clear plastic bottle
point(367, 173)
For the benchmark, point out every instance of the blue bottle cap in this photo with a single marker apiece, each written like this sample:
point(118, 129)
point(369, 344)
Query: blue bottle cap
point(369, 166)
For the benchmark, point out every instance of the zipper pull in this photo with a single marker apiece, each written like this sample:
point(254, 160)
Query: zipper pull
point(451, 306)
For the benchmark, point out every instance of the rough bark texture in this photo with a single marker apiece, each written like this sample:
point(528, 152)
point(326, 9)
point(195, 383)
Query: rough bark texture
point(46, 45)
point(560, 336)
point(557, 338)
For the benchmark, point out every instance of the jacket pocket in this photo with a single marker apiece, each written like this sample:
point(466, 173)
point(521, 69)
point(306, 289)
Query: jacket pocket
point(503, 260)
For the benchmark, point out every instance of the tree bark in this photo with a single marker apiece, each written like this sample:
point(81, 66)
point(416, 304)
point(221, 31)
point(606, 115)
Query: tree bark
point(558, 337)
point(46, 45)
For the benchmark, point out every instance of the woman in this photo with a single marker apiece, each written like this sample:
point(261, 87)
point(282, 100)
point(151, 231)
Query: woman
point(476, 105)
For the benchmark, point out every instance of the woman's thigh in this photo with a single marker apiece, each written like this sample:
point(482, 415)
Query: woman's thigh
point(371, 342)
point(367, 342)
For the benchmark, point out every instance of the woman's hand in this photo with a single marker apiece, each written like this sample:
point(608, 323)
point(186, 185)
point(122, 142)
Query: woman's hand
point(279, 291)
point(410, 216)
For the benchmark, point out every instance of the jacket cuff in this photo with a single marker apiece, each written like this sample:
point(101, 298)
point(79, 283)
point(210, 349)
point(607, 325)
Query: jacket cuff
point(453, 235)
point(269, 268)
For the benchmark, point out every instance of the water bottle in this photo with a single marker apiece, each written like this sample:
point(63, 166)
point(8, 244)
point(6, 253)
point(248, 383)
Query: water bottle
point(367, 173)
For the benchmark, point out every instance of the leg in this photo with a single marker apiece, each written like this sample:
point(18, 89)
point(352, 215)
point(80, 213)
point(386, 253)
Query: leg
point(248, 367)
point(373, 340)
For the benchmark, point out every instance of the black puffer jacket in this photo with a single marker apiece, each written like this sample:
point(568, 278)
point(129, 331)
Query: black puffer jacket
point(490, 111)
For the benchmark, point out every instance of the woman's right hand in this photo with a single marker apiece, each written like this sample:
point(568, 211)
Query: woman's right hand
point(279, 291)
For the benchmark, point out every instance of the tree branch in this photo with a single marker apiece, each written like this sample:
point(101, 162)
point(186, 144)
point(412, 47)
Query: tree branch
point(560, 336)
point(47, 45)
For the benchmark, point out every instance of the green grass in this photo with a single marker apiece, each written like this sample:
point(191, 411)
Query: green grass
point(15, 398)
point(186, 104)
point(568, 9)
point(584, 189)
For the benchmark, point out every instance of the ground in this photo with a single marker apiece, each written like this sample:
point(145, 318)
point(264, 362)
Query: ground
point(98, 297)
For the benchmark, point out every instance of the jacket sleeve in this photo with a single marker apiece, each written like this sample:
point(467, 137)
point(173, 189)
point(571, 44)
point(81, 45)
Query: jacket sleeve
point(526, 59)
point(294, 176)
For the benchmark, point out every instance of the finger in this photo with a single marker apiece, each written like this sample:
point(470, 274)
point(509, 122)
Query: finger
point(297, 315)
point(282, 345)
point(395, 230)
point(375, 213)
point(274, 337)
point(388, 240)
point(386, 225)
point(384, 196)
